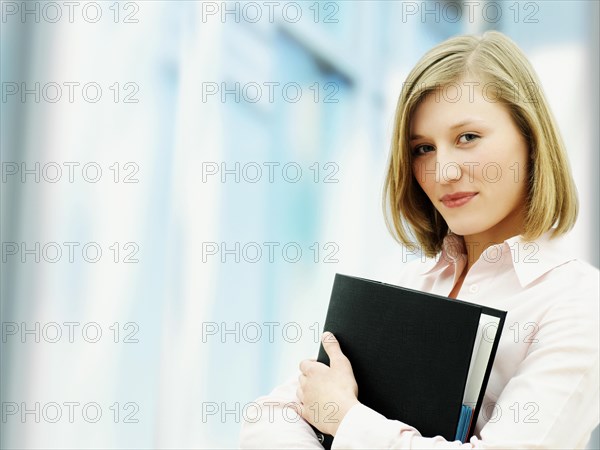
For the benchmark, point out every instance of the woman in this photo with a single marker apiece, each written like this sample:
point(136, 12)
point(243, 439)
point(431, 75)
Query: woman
point(479, 176)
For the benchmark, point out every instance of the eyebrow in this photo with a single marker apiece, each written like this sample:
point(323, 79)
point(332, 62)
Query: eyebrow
point(460, 124)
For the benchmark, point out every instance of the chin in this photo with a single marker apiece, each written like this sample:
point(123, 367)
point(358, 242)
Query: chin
point(464, 229)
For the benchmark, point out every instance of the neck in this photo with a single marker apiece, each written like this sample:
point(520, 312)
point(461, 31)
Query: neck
point(477, 243)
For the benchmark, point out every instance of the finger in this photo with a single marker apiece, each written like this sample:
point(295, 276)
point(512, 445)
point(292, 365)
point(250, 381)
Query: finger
point(308, 365)
point(296, 407)
point(300, 394)
point(333, 349)
point(304, 365)
point(302, 379)
point(328, 336)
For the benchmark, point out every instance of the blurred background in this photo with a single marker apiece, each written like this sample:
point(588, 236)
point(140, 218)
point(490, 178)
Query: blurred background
point(182, 180)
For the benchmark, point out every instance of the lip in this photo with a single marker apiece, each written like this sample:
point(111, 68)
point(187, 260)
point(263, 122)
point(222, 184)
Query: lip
point(457, 199)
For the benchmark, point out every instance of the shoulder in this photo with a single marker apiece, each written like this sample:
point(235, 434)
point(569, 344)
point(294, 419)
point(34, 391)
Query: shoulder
point(575, 276)
point(575, 281)
point(570, 298)
point(551, 263)
point(580, 271)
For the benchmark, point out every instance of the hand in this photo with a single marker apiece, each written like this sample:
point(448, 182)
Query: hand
point(327, 393)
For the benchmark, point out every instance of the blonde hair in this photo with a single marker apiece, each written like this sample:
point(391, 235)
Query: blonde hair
point(494, 58)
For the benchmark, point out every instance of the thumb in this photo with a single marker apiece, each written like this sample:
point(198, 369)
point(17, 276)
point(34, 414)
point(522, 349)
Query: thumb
point(333, 349)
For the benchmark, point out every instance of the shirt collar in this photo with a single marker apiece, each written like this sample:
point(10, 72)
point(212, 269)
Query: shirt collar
point(536, 258)
point(530, 259)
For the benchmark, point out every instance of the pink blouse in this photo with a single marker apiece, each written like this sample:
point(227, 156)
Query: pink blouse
point(543, 390)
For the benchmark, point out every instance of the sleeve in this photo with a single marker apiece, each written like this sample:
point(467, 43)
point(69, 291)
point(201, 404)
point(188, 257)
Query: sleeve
point(279, 425)
point(551, 401)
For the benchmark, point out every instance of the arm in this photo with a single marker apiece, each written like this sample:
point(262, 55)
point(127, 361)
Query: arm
point(279, 425)
point(550, 402)
point(287, 411)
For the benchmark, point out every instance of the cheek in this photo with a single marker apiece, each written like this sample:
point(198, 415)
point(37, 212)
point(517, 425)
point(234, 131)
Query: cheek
point(419, 173)
point(415, 172)
point(498, 167)
point(514, 169)
point(522, 166)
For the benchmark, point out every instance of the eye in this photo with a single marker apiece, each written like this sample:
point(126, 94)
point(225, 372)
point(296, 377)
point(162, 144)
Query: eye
point(422, 149)
point(469, 138)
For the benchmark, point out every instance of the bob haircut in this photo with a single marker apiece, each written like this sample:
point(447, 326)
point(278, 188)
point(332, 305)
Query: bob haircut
point(502, 70)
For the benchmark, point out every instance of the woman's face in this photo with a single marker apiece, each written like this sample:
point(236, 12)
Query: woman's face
point(471, 161)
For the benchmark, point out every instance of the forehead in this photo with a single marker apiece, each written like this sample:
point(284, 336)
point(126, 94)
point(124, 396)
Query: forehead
point(456, 102)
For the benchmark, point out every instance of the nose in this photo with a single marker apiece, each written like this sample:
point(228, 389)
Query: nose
point(448, 168)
